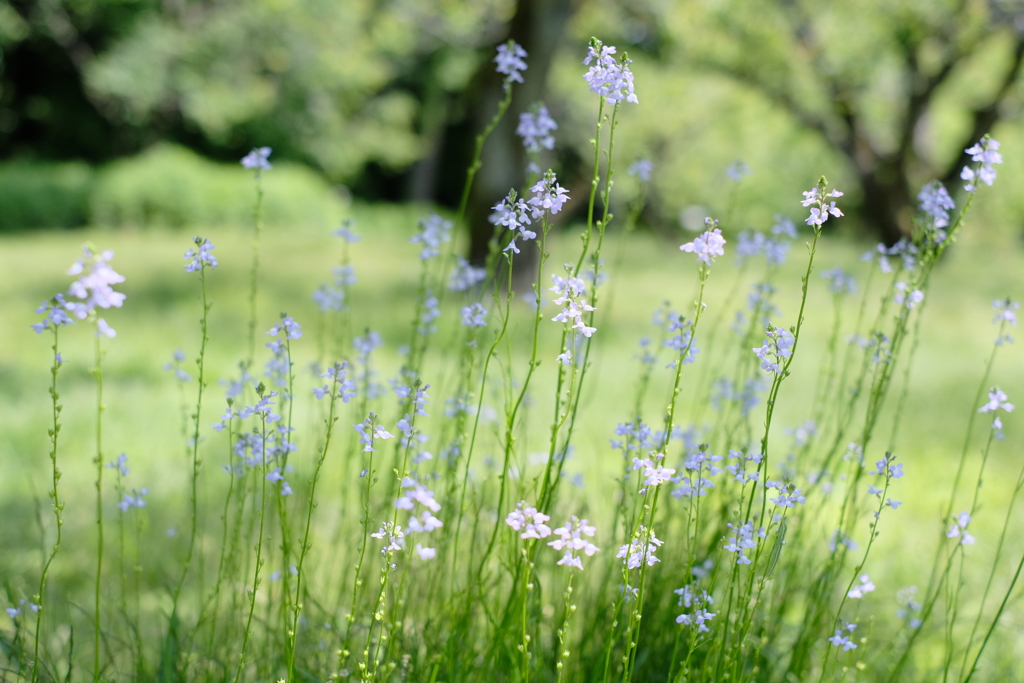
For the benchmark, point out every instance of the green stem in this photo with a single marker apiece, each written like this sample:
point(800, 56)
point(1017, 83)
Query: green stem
point(99, 500)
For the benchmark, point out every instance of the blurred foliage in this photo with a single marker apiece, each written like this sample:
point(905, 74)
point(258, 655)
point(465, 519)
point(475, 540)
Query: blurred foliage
point(173, 186)
point(44, 195)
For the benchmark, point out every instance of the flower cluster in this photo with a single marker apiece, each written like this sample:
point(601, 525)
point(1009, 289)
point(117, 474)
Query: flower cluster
point(737, 171)
point(997, 401)
point(393, 537)
point(777, 346)
point(424, 523)
point(465, 275)
point(337, 373)
point(56, 315)
point(824, 207)
point(570, 539)
point(700, 463)
point(609, 77)
point(527, 520)
point(346, 233)
point(535, 129)
point(840, 282)
point(201, 257)
point(739, 469)
point(936, 203)
point(512, 212)
point(257, 159)
point(654, 474)
point(708, 245)
point(751, 243)
point(843, 641)
point(682, 340)
point(700, 615)
point(510, 61)
point(640, 549)
point(433, 232)
point(548, 196)
point(175, 364)
point(431, 312)
point(789, 495)
point(368, 431)
point(474, 315)
point(984, 153)
point(94, 287)
point(907, 297)
point(958, 529)
point(742, 539)
point(863, 588)
point(570, 291)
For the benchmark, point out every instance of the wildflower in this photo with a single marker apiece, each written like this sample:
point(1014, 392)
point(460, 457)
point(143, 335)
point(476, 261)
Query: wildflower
point(346, 387)
point(640, 549)
point(820, 213)
point(843, 641)
point(784, 227)
point(789, 496)
point(510, 62)
point(907, 298)
point(474, 315)
point(958, 529)
point(839, 281)
point(548, 196)
point(133, 499)
point(708, 245)
point(257, 159)
point(655, 474)
point(121, 465)
point(863, 589)
point(425, 523)
point(565, 358)
point(984, 152)
point(291, 329)
point(739, 471)
point(425, 553)
point(777, 347)
point(512, 213)
point(700, 615)
point(609, 77)
point(431, 312)
point(420, 400)
point(742, 539)
point(737, 171)
point(94, 284)
point(175, 364)
point(535, 129)
point(908, 606)
point(465, 275)
point(936, 203)
point(12, 612)
point(346, 233)
point(996, 401)
point(200, 258)
point(529, 521)
point(1004, 310)
point(104, 330)
point(329, 298)
point(570, 539)
point(393, 536)
point(55, 314)
point(641, 168)
point(433, 232)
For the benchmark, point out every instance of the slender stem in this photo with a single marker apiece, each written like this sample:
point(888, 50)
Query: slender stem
point(98, 372)
point(58, 507)
point(262, 472)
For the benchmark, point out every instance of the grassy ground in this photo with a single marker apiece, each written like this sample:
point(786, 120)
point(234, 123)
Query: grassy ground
point(144, 410)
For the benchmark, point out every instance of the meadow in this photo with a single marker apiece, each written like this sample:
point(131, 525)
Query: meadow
point(222, 575)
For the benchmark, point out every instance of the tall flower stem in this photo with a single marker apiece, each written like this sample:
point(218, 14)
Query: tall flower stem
point(58, 507)
point(98, 373)
point(254, 272)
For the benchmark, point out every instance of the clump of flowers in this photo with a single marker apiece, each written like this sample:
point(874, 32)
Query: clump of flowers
point(699, 616)
point(512, 212)
point(200, 257)
point(823, 206)
point(609, 76)
point(570, 539)
point(94, 287)
point(777, 347)
point(842, 637)
point(510, 61)
point(640, 550)
point(570, 291)
point(708, 245)
point(958, 529)
point(258, 159)
point(535, 129)
point(906, 296)
point(985, 153)
point(433, 232)
point(527, 520)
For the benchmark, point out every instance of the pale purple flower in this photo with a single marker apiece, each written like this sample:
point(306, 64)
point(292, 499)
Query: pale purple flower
point(907, 297)
point(433, 232)
point(708, 245)
point(56, 315)
point(700, 616)
point(641, 168)
point(528, 521)
point(200, 258)
point(474, 315)
point(257, 159)
point(958, 529)
point(840, 282)
point(535, 129)
point(134, 499)
point(777, 347)
point(1004, 310)
point(104, 330)
point(737, 171)
point(512, 212)
point(935, 201)
point(346, 233)
point(609, 77)
point(94, 284)
point(984, 152)
point(823, 207)
point(570, 539)
point(640, 549)
point(291, 329)
point(510, 61)
point(783, 226)
point(997, 400)
point(464, 275)
point(843, 641)
point(548, 196)
point(425, 553)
